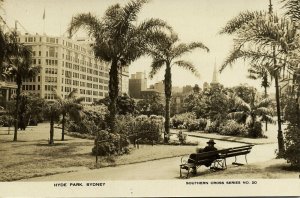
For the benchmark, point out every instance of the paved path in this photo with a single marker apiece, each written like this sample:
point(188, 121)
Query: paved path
point(158, 169)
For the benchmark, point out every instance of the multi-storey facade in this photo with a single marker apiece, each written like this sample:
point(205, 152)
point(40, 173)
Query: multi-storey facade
point(137, 84)
point(66, 65)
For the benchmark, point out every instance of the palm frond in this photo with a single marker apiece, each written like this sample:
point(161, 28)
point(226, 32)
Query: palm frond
point(88, 22)
point(187, 65)
point(264, 103)
point(156, 65)
point(262, 111)
point(72, 94)
point(249, 120)
point(236, 115)
point(153, 24)
point(185, 48)
point(239, 22)
point(131, 10)
point(292, 9)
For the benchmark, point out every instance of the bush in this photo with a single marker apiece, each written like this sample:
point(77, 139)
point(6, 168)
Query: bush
point(142, 128)
point(213, 127)
point(110, 144)
point(202, 124)
point(292, 134)
point(6, 120)
point(181, 137)
point(197, 124)
point(93, 119)
point(231, 127)
point(182, 119)
point(148, 129)
point(256, 130)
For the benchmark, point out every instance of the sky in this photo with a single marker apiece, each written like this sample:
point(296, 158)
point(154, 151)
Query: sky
point(193, 20)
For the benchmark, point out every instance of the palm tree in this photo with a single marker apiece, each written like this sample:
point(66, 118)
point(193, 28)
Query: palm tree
point(166, 51)
point(3, 55)
point(293, 9)
point(52, 112)
point(69, 106)
point(119, 39)
point(261, 72)
point(263, 37)
point(20, 67)
point(250, 113)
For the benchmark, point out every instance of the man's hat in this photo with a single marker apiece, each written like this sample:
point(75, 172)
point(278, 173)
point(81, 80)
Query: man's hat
point(211, 141)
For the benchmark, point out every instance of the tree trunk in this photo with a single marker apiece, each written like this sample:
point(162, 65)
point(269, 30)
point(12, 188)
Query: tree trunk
point(280, 134)
point(266, 95)
point(51, 141)
point(113, 94)
point(168, 95)
point(18, 92)
point(63, 126)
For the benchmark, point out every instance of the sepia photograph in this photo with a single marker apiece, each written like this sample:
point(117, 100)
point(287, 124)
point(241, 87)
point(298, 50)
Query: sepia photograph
point(139, 98)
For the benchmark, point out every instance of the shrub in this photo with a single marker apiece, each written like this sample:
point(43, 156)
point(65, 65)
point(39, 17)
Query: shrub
point(182, 119)
point(93, 119)
point(255, 131)
point(193, 125)
point(197, 124)
point(110, 144)
point(292, 134)
point(181, 137)
point(143, 128)
point(231, 127)
point(148, 129)
point(202, 124)
point(213, 127)
point(6, 120)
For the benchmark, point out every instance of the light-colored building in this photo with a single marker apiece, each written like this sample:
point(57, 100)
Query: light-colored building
point(7, 89)
point(67, 64)
point(159, 86)
point(137, 83)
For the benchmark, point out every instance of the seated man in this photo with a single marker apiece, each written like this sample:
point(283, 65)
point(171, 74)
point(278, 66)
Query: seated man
point(210, 147)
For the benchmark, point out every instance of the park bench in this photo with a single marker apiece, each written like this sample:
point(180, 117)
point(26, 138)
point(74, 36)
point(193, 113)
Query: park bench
point(217, 159)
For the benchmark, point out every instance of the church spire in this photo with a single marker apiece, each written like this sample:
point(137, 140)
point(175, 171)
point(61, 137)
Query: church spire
point(215, 75)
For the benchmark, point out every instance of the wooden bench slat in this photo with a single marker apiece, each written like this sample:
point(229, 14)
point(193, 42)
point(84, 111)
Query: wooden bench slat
point(198, 159)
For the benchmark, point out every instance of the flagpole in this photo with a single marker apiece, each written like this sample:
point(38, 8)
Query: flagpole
point(44, 16)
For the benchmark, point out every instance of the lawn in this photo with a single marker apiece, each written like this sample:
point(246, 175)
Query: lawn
point(31, 156)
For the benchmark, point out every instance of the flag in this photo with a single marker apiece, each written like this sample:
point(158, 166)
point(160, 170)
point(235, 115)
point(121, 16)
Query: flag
point(44, 15)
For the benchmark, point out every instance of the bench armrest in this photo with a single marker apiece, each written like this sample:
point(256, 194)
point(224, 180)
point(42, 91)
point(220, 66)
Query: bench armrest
point(184, 159)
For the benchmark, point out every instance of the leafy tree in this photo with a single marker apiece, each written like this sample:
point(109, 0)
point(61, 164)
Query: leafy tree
point(197, 103)
point(125, 104)
point(20, 67)
point(119, 39)
point(167, 52)
point(245, 92)
point(69, 106)
point(151, 106)
point(216, 103)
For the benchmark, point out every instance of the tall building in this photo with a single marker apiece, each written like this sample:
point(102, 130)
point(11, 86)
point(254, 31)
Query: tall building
point(159, 86)
point(7, 89)
point(124, 80)
point(137, 83)
point(67, 64)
